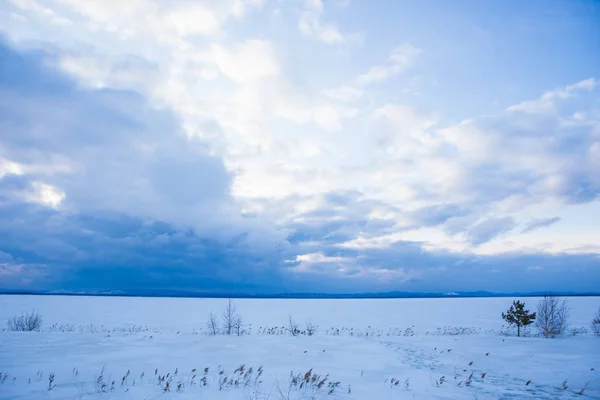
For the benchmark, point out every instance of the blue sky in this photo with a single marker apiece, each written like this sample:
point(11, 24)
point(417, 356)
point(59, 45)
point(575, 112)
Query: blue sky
point(305, 145)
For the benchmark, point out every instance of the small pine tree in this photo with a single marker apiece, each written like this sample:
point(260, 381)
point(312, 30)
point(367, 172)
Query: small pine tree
point(517, 315)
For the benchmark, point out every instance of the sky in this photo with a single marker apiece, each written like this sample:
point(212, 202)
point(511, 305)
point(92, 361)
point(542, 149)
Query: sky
point(273, 146)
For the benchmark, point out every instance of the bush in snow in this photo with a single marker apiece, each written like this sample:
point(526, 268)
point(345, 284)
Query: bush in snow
point(293, 326)
point(232, 320)
point(552, 316)
point(578, 331)
point(212, 325)
point(311, 328)
point(518, 316)
point(25, 322)
point(596, 323)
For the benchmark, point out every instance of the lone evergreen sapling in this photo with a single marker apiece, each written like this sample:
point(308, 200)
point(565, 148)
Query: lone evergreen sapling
point(517, 315)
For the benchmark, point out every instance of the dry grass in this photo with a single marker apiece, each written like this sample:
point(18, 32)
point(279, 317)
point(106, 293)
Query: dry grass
point(596, 324)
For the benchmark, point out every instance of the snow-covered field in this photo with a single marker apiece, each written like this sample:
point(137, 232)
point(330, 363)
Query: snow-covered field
point(375, 349)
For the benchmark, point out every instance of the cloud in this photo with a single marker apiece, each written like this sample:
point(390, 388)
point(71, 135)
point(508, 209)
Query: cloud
point(163, 19)
point(540, 223)
point(344, 93)
point(210, 154)
point(133, 194)
point(109, 152)
point(401, 58)
point(247, 61)
point(486, 230)
point(542, 154)
point(311, 24)
point(107, 250)
point(439, 214)
point(124, 73)
point(547, 102)
point(189, 19)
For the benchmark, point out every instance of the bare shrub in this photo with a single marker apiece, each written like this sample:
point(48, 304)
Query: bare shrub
point(25, 322)
point(238, 325)
point(578, 331)
point(552, 316)
point(232, 321)
point(213, 324)
point(293, 326)
point(596, 323)
point(310, 328)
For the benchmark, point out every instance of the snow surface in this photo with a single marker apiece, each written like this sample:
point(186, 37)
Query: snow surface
point(366, 345)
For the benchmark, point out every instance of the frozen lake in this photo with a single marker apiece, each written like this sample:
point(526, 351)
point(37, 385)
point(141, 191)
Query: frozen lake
point(192, 313)
point(363, 344)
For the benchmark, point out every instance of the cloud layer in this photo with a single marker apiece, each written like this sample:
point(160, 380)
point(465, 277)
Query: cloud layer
point(267, 146)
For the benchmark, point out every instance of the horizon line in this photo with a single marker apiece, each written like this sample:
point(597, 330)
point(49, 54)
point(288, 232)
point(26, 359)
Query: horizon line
point(174, 293)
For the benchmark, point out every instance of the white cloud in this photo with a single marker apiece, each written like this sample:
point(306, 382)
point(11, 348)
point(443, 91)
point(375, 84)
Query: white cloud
point(499, 167)
point(349, 267)
point(547, 101)
point(316, 258)
point(311, 24)
point(330, 117)
point(36, 7)
point(99, 72)
point(52, 165)
point(45, 194)
point(315, 262)
point(559, 244)
point(283, 133)
point(344, 93)
point(9, 167)
point(401, 58)
point(248, 61)
point(192, 19)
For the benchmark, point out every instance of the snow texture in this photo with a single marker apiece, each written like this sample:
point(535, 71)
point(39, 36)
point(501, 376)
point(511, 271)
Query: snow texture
point(364, 349)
